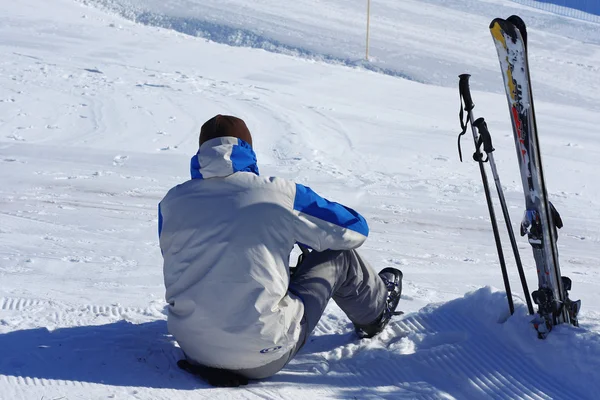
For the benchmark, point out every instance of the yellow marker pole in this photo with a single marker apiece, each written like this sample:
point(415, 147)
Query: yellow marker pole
point(368, 18)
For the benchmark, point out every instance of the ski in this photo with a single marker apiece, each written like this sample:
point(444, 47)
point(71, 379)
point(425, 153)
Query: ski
point(541, 220)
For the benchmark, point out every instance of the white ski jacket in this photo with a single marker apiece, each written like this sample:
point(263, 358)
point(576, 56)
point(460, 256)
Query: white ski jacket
point(226, 236)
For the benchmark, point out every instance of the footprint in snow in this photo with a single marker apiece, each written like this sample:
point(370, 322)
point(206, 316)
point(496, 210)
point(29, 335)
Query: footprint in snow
point(16, 137)
point(119, 160)
point(93, 70)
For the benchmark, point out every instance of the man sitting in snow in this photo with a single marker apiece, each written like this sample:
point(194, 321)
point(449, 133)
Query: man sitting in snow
point(226, 236)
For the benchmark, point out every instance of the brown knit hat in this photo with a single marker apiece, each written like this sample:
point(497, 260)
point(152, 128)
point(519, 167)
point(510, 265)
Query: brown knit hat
point(225, 125)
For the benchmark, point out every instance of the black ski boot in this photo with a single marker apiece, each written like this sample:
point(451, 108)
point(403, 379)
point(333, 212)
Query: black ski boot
point(392, 278)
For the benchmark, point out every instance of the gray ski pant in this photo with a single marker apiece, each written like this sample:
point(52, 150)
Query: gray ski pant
point(339, 274)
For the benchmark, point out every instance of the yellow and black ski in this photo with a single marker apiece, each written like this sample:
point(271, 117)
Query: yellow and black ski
point(541, 219)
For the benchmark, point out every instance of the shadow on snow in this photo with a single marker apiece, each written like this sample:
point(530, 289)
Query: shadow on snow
point(455, 349)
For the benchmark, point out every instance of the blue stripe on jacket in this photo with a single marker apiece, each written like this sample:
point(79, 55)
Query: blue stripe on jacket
point(195, 167)
point(243, 158)
point(310, 203)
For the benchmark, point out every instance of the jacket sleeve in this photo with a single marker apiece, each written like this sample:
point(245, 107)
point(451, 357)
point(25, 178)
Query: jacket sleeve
point(322, 224)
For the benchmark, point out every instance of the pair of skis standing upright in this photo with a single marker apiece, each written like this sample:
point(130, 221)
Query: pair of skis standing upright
point(541, 219)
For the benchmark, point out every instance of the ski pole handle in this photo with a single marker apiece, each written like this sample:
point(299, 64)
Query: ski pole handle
point(465, 91)
point(484, 134)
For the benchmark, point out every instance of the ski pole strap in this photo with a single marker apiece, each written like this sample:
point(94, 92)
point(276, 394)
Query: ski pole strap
point(465, 96)
point(478, 154)
point(463, 126)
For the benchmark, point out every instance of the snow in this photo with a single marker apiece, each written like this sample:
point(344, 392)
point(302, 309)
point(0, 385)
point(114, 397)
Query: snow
point(99, 116)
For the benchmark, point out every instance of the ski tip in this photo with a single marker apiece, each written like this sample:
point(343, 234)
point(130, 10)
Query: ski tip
point(516, 21)
point(500, 26)
point(513, 19)
point(496, 30)
point(520, 25)
point(495, 21)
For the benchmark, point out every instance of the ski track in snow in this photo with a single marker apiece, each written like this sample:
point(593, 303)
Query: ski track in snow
point(316, 32)
point(454, 350)
point(98, 119)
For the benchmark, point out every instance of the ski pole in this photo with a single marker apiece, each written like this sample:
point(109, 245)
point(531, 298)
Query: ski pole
point(465, 95)
point(486, 140)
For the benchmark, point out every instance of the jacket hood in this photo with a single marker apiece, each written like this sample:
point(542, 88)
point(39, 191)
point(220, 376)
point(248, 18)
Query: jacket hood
point(223, 156)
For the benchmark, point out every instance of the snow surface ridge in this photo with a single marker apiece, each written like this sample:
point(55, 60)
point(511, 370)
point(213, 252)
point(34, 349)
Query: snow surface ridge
point(236, 36)
point(458, 349)
point(407, 37)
